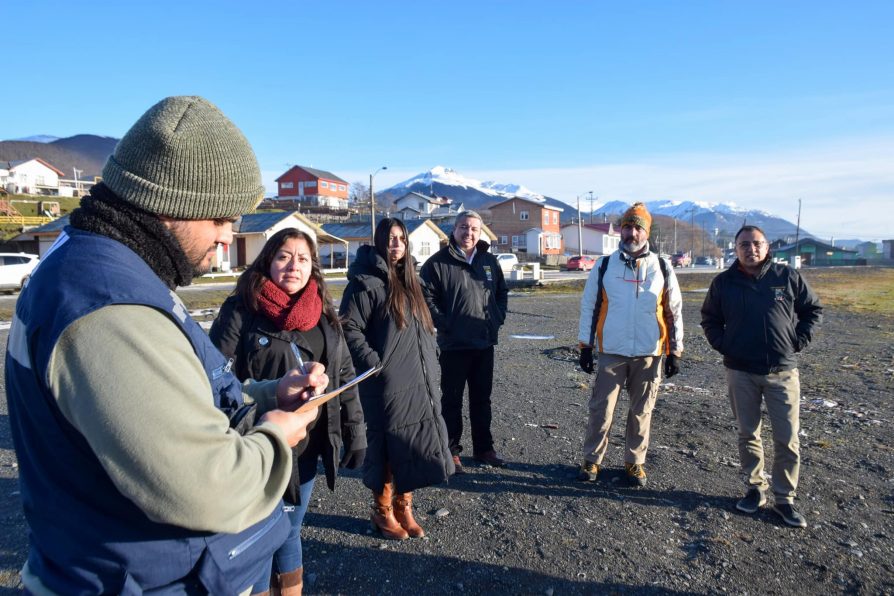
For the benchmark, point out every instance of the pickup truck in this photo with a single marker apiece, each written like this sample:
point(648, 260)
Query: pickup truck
point(681, 259)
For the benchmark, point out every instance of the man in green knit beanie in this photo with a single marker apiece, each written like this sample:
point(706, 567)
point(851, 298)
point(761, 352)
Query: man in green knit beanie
point(144, 464)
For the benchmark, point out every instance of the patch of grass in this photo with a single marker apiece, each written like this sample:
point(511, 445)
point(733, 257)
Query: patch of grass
point(854, 289)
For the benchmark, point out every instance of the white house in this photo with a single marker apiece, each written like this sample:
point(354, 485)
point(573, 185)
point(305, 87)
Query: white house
point(425, 239)
point(542, 242)
point(253, 230)
point(421, 203)
point(30, 177)
point(598, 238)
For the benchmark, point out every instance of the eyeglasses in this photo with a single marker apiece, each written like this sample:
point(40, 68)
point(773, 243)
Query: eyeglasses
point(757, 244)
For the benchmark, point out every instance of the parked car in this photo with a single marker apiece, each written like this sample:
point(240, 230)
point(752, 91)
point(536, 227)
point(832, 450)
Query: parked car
point(580, 263)
point(15, 269)
point(681, 259)
point(507, 261)
point(705, 261)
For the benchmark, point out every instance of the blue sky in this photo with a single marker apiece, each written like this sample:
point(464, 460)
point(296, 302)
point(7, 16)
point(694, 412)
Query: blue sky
point(756, 103)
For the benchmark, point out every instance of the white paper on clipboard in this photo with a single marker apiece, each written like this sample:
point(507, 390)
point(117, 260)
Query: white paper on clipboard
point(319, 400)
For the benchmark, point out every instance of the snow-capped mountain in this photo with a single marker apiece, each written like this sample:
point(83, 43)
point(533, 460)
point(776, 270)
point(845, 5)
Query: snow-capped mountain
point(475, 194)
point(472, 193)
point(724, 217)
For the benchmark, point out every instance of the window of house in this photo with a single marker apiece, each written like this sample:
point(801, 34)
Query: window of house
point(421, 206)
point(553, 241)
point(341, 187)
point(324, 184)
point(555, 217)
point(311, 184)
point(504, 239)
point(424, 249)
point(523, 215)
point(546, 218)
point(286, 185)
point(515, 241)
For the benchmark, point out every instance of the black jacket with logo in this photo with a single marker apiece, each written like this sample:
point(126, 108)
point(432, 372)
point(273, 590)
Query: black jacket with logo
point(759, 323)
point(468, 302)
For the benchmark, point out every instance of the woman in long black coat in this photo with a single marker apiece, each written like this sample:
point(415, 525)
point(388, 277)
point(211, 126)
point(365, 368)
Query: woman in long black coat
point(387, 323)
point(282, 298)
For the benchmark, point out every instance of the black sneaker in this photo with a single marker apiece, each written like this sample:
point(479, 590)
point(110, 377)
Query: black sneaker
point(789, 515)
point(753, 500)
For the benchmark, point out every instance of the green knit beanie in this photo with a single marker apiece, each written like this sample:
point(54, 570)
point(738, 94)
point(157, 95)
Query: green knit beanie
point(184, 159)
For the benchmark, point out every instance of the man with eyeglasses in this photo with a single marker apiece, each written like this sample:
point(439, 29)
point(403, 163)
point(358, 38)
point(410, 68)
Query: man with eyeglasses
point(759, 314)
point(632, 312)
point(468, 299)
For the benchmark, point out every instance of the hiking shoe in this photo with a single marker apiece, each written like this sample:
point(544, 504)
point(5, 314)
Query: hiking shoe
point(589, 472)
point(458, 465)
point(636, 474)
point(489, 458)
point(789, 515)
point(753, 500)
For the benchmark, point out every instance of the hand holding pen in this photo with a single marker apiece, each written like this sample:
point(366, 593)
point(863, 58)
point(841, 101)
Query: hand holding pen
point(301, 383)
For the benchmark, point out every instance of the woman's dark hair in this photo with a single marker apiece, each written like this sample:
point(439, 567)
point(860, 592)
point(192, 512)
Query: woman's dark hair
point(252, 279)
point(403, 285)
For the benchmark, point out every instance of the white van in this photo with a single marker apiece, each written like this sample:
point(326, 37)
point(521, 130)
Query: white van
point(507, 261)
point(15, 269)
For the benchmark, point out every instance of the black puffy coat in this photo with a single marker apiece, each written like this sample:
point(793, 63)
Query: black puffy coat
point(404, 427)
point(260, 350)
point(759, 323)
point(468, 302)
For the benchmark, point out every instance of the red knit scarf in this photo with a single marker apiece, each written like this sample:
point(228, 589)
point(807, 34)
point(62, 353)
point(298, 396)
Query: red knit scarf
point(291, 313)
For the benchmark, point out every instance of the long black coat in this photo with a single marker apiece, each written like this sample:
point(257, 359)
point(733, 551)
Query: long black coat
point(404, 426)
point(260, 350)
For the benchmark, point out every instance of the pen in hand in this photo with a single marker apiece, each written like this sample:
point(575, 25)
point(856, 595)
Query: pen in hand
point(301, 366)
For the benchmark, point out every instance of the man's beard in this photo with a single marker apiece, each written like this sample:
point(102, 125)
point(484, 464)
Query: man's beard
point(633, 248)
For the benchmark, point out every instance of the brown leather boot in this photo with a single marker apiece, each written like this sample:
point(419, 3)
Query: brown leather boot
point(288, 584)
point(403, 513)
point(382, 518)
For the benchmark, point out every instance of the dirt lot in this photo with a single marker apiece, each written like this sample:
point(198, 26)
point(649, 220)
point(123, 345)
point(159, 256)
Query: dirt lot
point(532, 529)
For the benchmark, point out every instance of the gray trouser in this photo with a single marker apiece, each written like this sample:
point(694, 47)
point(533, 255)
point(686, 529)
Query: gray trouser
point(641, 376)
point(781, 393)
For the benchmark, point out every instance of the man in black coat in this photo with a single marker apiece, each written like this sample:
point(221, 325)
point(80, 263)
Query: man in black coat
point(759, 314)
point(468, 298)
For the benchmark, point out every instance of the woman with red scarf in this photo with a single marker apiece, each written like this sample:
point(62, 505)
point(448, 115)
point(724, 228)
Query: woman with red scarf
point(282, 298)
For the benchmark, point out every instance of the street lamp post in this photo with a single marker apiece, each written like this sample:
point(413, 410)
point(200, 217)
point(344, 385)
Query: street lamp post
point(372, 207)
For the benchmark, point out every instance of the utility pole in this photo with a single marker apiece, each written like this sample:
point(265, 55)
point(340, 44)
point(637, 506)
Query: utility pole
point(675, 235)
point(797, 231)
point(591, 206)
point(580, 234)
point(372, 207)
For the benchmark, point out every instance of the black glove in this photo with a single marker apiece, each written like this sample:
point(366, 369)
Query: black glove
point(353, 459)
point(586, 360)
point(671, 365)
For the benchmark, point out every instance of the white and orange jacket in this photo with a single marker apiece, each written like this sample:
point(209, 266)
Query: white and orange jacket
point(633, 310)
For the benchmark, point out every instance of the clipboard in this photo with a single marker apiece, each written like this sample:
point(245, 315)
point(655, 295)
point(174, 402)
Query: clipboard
point(319, 400)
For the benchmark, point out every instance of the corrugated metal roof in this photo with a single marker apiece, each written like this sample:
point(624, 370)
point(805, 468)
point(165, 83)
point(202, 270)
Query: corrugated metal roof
point(54, 226)
point(316, 172)
point(348, 231)
point(261, 222)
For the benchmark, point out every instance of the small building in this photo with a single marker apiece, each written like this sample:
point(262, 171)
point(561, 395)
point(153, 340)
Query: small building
point(815, 253)
point(888, 249)
point(425, 238)
point(487, 234)
point(518, 219)
point(598, 238)
point(30, 177)
point(317, 188)
point(253, 230)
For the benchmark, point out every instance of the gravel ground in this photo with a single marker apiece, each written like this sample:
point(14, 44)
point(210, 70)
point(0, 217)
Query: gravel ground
point(530, 528)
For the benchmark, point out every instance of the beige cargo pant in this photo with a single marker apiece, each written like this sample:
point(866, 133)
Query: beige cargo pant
point(780, 392)
point(641, 376)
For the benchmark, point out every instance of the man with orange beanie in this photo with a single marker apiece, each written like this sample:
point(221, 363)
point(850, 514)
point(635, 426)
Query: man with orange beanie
point(633, 308)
